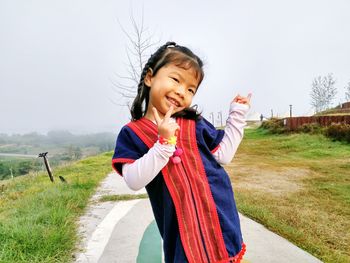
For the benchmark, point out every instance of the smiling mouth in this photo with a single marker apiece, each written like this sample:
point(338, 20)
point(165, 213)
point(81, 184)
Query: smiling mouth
point(173, 102)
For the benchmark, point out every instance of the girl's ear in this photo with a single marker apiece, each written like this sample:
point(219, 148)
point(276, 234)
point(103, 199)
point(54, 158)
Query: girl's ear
point(148, 77)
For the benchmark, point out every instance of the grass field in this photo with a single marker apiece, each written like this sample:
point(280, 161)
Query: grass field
point(38, 219)
point(298, 186)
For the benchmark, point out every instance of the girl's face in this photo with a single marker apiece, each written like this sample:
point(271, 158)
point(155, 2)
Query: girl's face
point(171, 85)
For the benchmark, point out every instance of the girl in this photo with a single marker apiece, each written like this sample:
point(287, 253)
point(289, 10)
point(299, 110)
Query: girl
point(176, 154)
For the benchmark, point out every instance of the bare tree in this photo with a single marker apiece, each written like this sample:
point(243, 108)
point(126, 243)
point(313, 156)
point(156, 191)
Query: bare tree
point(323, 92)
point(139, 42)
point(347, 92)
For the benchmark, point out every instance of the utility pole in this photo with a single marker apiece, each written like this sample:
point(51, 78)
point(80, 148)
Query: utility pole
point(290, 110)
point(46, 161)
point(271, 113)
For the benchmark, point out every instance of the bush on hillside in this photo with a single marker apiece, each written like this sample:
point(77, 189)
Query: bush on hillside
point(338, 131)
point(274, 125)
point(312, 128)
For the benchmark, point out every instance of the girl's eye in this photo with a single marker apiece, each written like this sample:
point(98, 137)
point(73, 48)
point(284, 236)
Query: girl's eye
point(175, 79)
point(192, 91)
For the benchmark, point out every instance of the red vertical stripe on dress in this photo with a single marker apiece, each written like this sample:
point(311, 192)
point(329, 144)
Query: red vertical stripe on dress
point(180, 193)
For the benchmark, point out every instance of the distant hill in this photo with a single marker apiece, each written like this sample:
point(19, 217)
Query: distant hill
point(18, 153)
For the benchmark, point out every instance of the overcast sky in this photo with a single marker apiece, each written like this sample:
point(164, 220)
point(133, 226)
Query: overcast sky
point(58, 58)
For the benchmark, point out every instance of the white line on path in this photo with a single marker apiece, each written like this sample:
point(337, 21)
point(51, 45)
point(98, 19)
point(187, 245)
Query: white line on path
point(102, 234)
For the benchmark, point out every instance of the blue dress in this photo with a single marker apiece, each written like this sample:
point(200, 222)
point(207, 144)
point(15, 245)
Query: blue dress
point(193, 202)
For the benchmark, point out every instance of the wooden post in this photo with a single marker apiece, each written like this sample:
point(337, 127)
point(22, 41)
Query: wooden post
point(46, 161)
point(212, 117)
point(220, 115)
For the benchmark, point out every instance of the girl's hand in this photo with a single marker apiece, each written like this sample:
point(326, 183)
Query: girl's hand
point(243, 100)
point(166, 129)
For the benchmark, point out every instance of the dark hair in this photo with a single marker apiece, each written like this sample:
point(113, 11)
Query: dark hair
point(166, 54)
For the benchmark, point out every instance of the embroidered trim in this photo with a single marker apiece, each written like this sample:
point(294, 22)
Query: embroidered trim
point(148, 133)
point(215, 149)
point(209, 218)
point(185, 213)
point(120, 160)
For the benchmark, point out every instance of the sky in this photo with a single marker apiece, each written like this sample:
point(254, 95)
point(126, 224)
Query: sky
point(59, 59)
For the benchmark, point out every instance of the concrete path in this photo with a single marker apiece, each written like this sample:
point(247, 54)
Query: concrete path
point(126, 232)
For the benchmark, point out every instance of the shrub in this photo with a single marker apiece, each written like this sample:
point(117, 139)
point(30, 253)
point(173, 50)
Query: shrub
point(338, 131)
point(312, 128)
point(274, 125)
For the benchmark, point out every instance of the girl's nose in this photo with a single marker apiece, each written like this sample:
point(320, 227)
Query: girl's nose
point(180, 91)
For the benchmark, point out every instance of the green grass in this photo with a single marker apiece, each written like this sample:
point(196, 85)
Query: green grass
point(124, 197)
point(38, 219)
point(297, 185)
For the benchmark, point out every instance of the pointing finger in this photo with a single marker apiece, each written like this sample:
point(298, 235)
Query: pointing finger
point(168, 114)
point(156, 116)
